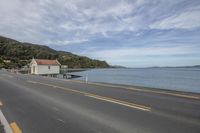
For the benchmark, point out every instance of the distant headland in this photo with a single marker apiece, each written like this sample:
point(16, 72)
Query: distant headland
point(15, 54)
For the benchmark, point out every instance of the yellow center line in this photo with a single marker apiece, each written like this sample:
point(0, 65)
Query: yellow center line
point(116, 101)
point(128, 104)
point(15, 128)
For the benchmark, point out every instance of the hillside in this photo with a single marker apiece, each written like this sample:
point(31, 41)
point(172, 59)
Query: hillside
point(15, 54)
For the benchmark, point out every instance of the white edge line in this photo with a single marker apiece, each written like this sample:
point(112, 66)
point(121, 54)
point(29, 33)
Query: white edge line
point(148, 91)
point(133, 89)
point(30, 81)
point(108, 100)
point(4, 122)
point(10, 76)
point(58, 119)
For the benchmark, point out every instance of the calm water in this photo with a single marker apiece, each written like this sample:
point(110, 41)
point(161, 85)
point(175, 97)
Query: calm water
point(182, 79)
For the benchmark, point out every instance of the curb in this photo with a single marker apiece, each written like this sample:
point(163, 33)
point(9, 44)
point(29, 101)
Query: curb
point(4, 122)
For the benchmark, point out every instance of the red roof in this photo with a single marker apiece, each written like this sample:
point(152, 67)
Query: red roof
point(47, 62)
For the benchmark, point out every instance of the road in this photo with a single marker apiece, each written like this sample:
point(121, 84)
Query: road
point(47, 105)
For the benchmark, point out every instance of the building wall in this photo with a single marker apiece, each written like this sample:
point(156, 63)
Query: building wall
point(34, 64)
point(32, 69)
point(44, 69)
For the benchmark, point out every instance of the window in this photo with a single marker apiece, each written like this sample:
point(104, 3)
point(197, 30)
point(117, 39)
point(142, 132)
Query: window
point(49, 67)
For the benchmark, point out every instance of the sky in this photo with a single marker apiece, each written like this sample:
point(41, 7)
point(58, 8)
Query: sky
point(132, 33)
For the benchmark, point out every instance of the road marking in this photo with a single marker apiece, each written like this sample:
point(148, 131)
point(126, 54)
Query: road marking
point(15, 128)
point(178, 95)
point(63, 88)
point(128, 104)
point(141, 90)
point(4, 122)
point(30, 81)
point(151, 91)
point(60, 120)
point(55, 108)
point(116, 101)
point(135, 89)
point(10, 76)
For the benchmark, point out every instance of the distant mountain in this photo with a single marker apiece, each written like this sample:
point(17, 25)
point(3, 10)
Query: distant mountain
point(15, 54)
point(195, 66)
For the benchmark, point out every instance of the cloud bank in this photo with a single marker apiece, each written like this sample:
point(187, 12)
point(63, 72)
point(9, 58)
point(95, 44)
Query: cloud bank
point(108, 29)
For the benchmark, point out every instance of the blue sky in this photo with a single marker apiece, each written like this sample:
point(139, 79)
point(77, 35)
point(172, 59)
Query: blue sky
point(133, 33)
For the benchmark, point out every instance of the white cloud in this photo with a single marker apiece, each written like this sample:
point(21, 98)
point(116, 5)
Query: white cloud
point(186, 20)
point(130, 54)
point(126, 23)
point(61, 20)
point(66, 42)
point(76, 21)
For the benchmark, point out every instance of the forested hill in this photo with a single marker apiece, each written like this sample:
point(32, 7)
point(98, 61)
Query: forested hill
point(15, 54)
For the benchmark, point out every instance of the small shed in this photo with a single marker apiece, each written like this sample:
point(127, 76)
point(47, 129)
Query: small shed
point(45, 67)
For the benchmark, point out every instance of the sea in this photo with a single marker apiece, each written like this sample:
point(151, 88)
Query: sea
point(179, 79)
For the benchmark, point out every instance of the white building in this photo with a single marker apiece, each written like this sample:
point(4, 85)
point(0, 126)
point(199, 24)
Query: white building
point(45, 67)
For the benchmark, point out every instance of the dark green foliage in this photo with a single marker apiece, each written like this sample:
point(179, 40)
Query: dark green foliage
point(20, 54)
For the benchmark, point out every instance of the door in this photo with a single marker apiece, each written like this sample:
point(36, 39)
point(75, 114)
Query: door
point(33, 69)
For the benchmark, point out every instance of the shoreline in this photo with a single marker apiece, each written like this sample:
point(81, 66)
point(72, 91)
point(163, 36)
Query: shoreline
point(164, 78)
point(122, 86)
point(142, 88)
point(148, 88)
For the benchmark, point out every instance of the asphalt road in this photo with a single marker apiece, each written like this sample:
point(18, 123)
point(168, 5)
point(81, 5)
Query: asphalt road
point(47, 105)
